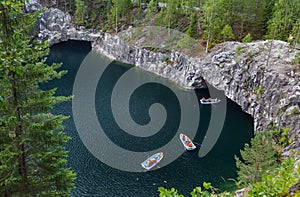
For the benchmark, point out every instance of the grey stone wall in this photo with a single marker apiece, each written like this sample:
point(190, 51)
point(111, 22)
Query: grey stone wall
point(269, 93)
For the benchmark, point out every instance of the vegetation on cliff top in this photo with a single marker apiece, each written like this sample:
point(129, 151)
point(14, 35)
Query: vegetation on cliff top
point(209, 21)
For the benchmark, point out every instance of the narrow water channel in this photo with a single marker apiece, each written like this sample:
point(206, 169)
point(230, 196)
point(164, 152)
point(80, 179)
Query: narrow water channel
point(95, 178)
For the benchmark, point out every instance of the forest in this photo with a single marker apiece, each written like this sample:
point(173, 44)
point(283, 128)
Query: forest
point(209, 21)
point(32, 140)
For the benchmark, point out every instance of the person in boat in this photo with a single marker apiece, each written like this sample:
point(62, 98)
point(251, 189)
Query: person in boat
point(185, 138)
point(152, 161)
point(210, 99)
point(203, 99)
point(189, 143)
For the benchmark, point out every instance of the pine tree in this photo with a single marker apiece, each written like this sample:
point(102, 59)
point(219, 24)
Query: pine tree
point(285, 15)
point(192, 30)
point(295, 34)
point(152, 8)
point(80, 12)
point(32, 155)
point(247, 38)
point(170, 15)
point(257, 158)
point(227, 33)
point(213, 21)
point(120, 11)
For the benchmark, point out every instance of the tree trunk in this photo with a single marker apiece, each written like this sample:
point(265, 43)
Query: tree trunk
point(19, 133)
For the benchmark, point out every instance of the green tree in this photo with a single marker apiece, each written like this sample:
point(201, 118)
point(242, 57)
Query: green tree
point(247, 38)
point(262, 11)
point(257, 158)
point(278, 181)
point(295, 34)
point(171, 13)
point(80, 12)
point(32, 154)
point(246, 16)
point(152, 9)
point(285, 16)
point(192, 30)
point(213, 22)
point(227, 33)
point(120, 11)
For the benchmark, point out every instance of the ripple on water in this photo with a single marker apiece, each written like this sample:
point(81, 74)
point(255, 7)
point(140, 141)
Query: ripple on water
point(97, 179)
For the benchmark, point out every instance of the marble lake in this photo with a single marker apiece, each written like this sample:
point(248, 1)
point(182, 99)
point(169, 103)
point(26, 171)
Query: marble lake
point(95, 178)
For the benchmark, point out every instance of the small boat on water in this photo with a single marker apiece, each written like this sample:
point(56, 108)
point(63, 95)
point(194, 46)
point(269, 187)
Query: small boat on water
point(152, 161)
point(209, 101)
point(187, 142)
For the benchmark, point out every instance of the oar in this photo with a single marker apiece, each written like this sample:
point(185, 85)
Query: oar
point(197, 144)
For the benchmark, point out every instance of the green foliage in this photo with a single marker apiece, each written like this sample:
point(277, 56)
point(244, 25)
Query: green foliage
point(168, 193)
point(120, 12)
point(257, 89)
point(274, 183)
point(277, 19)
point(213, 22)
point(227, 33)
point(281, 136)
point(239, 50)
point(247, 38)
point(297, 58)
point(258, 170)
point(284, 21)
point(80, 12)
point(295, 34)
point(192, 30)
point(207, 191)
point(32, 155)
point(278, 181)
point(152, 9)
point(257, 158)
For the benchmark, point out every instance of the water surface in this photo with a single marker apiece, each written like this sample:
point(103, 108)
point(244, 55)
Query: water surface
point(95, 178)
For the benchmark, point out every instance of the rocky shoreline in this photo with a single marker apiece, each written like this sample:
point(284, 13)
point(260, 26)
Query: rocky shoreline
point(269, 93)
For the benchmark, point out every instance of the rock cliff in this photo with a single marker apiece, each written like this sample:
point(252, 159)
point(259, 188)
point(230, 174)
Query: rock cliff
point(264, 83)
point(56, 26)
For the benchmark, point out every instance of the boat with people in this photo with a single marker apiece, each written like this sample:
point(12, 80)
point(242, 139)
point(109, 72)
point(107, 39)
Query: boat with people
point(187, 142)
point(152, 161)
point(209, 100)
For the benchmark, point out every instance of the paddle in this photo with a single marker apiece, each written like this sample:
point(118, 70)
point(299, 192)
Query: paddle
point(197, 144)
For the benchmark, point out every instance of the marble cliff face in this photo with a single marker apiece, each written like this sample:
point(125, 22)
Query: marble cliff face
point(265, 84)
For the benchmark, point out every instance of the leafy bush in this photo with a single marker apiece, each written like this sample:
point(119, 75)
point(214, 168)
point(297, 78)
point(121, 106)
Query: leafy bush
point(163, 192)
point(207, 191)
point(278, 181)
point(247, 38)
point(239, 50)
point(281, 137)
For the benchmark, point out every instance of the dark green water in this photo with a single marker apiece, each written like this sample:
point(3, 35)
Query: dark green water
point(95, 178)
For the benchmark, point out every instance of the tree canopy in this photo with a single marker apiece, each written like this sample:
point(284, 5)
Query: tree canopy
point(209, 21)
point(32, 155)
